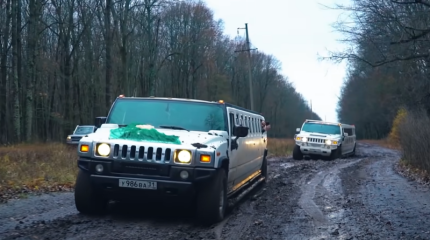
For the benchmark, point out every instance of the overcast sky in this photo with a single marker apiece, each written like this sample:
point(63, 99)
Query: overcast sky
point(295, 32)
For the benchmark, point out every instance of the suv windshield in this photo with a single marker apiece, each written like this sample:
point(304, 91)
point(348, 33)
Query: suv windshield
point(84, 130)
point(321, 128)
point(193, 116)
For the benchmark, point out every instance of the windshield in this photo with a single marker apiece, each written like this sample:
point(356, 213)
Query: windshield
point(193, 116)
point(84, 130)
point(321, 128)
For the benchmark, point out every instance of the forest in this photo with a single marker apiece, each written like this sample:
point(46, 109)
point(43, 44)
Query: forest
point(388, 79)
point(64, 62)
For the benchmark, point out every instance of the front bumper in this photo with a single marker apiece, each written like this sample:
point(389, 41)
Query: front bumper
point(167, 177)
point(316, 148)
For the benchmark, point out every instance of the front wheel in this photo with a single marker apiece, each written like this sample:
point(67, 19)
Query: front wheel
point(337, 153)
point(212, 199)
point(87, 200)
point(297, 154)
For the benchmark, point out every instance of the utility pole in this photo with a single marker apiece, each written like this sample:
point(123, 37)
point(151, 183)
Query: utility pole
point(251, 92)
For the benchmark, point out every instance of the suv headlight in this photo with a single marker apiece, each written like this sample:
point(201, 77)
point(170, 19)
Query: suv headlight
point(103, 149)
point(182, 156)
point(330, 142)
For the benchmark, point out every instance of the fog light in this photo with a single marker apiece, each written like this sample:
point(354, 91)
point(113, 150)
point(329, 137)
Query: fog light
point(99, 168)
point(184, 174)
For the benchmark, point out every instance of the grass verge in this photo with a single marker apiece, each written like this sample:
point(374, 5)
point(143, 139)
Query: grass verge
point(36, 168)
point(280, 146)
point(381, 142)
point(33, 168)
point(409, 171)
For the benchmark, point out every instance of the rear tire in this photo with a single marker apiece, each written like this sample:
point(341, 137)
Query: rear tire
point(353, 151)
point(87, 199)
point(264, 169)
point(212, 199)
point(297, 154)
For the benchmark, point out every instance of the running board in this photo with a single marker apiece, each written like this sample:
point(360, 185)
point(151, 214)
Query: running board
point(235, 200)
point(232, 193)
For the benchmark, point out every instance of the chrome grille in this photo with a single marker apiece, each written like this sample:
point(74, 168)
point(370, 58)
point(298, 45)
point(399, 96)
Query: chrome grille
point(142, 153)
point(76, 138)
point(316, 140)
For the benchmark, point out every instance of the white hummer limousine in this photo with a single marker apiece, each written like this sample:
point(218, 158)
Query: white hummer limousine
point(324, 139)
point(165, 148)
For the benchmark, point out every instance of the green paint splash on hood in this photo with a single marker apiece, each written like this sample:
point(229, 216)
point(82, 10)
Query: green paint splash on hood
point(134, 133)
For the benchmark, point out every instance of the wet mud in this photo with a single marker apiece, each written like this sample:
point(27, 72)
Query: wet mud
point(360, 197)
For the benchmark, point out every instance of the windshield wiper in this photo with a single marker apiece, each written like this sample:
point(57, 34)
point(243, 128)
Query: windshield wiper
point(173, 127)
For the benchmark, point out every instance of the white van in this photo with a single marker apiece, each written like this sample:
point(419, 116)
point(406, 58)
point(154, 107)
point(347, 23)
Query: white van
point(211, 152)
point(326, 139)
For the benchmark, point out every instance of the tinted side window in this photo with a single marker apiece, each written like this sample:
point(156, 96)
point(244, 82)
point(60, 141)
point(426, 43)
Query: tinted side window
point(349, 131)
point(232, 122)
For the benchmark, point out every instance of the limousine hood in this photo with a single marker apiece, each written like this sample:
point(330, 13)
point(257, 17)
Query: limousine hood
point(318, 135)
point(211, 138)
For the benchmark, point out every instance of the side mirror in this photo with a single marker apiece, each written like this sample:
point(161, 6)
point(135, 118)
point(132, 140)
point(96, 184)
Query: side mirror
point(99, 121)
point(297, 129)
point(240, 131)
point(345, 134)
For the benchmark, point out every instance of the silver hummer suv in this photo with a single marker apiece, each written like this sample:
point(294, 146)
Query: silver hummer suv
point(324, 139)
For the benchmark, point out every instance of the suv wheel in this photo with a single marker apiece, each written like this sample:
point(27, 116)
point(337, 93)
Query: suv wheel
point(264, 169)
point(353, 151)
point(87, 201)
point(297, 154)
point(212, 199)
point(336, 153)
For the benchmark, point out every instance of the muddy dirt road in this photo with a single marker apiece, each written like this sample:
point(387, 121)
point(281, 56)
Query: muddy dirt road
point(355, 198)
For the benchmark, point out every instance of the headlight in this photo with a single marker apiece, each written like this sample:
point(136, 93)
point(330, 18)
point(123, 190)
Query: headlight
point(305, 139)
point(184, 156)
point(68, 137)
point(103, 149)
point(298, 138)
point(330, 142)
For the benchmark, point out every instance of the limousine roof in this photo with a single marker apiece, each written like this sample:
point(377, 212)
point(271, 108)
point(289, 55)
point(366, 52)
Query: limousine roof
point(191, 100)
point(343, 125)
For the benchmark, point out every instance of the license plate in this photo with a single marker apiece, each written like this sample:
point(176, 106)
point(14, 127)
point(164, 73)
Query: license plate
point(127, 183)
point(315, 145)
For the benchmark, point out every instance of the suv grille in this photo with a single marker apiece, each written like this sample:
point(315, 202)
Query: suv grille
point(76, 138)
point(141, 153)
point(316, 140)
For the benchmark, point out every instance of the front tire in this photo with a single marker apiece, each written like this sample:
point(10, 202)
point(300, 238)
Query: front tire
point(87, 201)
point(212, 199)
point(336, 153)
point(297, 154)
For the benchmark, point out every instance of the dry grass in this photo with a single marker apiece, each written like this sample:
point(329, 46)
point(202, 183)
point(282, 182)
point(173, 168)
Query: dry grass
point(45, 164)
point(37, 166)
point(411, 172)
point(52, 167)
point(381, 142)
point(280, 146)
